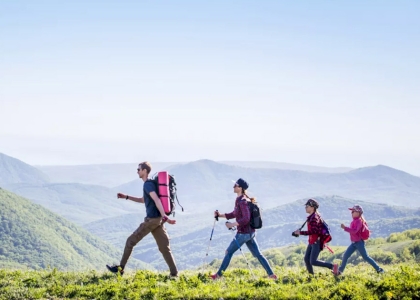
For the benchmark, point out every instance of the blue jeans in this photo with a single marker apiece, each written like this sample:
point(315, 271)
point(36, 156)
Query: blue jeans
point(311, 258)
point(359, 246)
point(251, 243)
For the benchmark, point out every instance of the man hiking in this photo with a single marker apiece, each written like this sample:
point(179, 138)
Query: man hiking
point(153, 223)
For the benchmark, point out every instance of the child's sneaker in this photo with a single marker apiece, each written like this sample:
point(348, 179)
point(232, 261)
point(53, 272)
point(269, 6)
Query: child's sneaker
point(116, 269)
point(214, 276)
point(273, 276)
point(335, 269)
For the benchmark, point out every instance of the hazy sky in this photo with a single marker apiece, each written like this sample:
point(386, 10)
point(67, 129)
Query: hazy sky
point(310, 82)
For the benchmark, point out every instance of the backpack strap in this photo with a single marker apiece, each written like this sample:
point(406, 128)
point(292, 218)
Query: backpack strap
point(176, 196)
point(364, 226)
point(303, 225)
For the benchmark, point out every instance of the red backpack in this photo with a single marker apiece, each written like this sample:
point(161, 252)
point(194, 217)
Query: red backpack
point(364, 232)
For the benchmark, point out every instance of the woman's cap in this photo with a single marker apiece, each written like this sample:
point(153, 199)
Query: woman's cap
point(242, 183)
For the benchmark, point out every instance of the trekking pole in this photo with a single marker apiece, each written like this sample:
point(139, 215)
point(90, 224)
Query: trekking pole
point(237, 243)
point(216, 218)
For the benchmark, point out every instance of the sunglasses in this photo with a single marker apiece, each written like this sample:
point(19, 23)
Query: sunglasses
point(235, 185)
point(138, 169)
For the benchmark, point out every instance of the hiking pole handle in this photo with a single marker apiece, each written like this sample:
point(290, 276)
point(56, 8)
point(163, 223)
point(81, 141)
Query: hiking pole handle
point(232, 228)
point(217, 215)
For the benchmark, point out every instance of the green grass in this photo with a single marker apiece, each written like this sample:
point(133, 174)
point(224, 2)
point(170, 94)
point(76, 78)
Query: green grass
point(401, 281)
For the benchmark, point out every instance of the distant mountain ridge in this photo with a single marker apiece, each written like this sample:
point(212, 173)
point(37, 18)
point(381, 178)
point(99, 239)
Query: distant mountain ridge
point(286, 166)
point(208, 181)
point(112, 175)
point(13, 170)
point(107, 175)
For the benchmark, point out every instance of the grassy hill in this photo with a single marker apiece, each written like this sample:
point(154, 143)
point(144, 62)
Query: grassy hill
point(33, 237)
point(401, 281)
point(13, 170)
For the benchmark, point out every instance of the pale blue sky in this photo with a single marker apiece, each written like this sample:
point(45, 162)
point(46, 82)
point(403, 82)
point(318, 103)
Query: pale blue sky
point(310, 82)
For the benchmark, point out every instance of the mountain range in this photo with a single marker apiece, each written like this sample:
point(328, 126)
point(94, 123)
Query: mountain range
point(79, 203)
point(207, 181)
point(112, 175)
point(391, 199)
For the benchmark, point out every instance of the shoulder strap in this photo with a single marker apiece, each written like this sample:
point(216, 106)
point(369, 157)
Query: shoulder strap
point(303, 225)
point(176, 196)
point(310, 217)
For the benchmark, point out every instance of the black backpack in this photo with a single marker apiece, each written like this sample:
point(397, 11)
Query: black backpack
point(172, 192)
point(256, 220)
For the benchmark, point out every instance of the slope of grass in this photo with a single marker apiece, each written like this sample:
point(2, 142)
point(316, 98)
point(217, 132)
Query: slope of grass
point(399, 282)
point(35, 238)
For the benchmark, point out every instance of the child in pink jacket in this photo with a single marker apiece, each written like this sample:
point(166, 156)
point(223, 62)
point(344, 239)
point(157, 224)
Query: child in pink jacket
point(357, 243)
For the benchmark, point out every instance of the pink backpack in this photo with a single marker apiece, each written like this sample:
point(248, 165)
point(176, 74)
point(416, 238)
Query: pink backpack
point(365, 232)
point(166, 190)
point(163, 191)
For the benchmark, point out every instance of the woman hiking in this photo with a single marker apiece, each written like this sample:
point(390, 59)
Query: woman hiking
point(357, 243)
point(245, 234)
point(315, 244)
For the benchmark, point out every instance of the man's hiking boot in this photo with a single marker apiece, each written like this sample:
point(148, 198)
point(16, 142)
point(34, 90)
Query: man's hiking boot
point(335, 269)
point(215, 276)
point(116, 269)
point(380, 271)
point(273, 276)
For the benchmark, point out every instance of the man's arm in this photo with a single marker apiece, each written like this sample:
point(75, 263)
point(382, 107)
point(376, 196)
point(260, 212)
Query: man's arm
point(127, 197)
point(158, 203)
point(135, 199)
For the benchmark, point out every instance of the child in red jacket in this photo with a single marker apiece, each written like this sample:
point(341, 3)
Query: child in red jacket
point(314, 240)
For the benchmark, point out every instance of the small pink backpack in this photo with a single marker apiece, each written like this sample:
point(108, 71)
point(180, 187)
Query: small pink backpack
point(365, 232)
